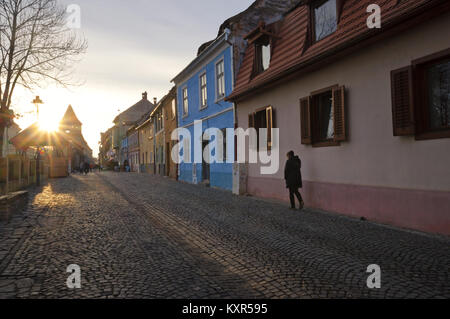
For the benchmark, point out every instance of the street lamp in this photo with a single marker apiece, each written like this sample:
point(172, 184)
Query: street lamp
point(36, 102)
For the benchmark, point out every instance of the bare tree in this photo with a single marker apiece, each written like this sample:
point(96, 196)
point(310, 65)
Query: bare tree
point(36, 45)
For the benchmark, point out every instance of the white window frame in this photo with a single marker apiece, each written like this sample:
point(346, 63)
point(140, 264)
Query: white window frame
point(219, 97)
point(203, 106)
point(185, 110)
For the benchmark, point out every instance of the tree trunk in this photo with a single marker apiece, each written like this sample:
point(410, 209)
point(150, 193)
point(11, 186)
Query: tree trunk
point(2, 133)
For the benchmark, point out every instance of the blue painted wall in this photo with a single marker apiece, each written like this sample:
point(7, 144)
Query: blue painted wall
point(221, 174)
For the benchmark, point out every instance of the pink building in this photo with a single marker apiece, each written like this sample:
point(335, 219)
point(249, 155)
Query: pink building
point(367, 109)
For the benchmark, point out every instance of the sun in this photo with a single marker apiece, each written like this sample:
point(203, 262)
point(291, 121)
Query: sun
point(48, 122)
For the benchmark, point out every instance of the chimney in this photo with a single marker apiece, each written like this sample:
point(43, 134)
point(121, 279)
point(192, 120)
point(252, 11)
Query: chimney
point(144, 95)
point(155, 100)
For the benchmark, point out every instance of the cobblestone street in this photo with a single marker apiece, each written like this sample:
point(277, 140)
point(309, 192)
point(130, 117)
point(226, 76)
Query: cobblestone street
point(141, 236)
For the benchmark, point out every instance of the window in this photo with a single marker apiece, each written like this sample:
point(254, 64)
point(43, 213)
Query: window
point(185, 102)
point(265, 55)
point(220, 80)
point(174, 109)
point(324, 18)
point(322, 113)
point(263, 118)
point(159, 117)
point(224, 134)
point(262, 55)
point(322, 117)
point(203, 91)
point(439, 95)
point(420, 97)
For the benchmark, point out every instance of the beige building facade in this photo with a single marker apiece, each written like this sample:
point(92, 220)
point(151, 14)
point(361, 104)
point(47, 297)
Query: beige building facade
point(398, 180)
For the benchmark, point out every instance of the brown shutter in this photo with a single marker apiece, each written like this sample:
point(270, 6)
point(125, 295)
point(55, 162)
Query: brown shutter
point(402, 102)
point(269, 120)
point(305, 120)
point(251, 120)
point(340, 125)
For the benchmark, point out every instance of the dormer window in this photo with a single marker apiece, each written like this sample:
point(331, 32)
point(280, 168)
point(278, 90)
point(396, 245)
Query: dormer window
point(265, 56)
point(324, 14)
point(263, 38)
point(262, 55)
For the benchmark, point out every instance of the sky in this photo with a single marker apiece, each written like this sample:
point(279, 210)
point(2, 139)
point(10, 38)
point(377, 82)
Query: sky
point(134, 46)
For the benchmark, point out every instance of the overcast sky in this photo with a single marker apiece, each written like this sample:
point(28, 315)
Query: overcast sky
point(134, 46)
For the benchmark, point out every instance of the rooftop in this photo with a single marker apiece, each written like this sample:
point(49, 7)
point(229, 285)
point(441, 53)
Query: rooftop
point(294, 54)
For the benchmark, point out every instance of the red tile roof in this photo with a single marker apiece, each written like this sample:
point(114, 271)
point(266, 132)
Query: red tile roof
point(292, 54)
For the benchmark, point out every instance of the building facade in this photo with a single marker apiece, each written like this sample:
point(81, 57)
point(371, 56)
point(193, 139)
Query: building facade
point(163, 120)
point(78, 151)
point(146, 146)
point(169, 104)
point(370, 122)
point(201, 89)
point(7, 147)
point(124, 121)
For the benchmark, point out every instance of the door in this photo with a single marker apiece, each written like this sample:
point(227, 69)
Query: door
point(168, 161)
point(205, 165)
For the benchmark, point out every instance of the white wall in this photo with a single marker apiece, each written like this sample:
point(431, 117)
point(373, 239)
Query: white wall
point(372, 156)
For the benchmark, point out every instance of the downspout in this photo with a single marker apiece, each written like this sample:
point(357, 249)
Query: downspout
point(233, 79)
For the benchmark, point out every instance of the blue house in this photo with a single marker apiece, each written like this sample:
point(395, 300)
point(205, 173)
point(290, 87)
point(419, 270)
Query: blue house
point(201, 89)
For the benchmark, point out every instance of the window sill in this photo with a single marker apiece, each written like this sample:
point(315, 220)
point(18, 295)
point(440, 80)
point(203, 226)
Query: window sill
point(326, 144)
point(220, 99)
point(433, 135)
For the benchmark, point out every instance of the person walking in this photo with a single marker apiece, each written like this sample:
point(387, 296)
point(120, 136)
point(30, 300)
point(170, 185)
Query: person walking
point(86, 168)
point(293, 177)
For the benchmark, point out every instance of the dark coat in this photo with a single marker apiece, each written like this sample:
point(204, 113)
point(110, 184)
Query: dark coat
point(292, 173)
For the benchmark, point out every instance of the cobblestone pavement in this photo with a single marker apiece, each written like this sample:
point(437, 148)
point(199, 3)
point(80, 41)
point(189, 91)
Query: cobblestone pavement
point(141, 236)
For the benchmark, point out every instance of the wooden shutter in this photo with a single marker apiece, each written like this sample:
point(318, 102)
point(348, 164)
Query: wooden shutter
point(402, 102)
point(257, 60)
point(251, 120)
point(270, 122)
point(340, 125)
point(305, 120)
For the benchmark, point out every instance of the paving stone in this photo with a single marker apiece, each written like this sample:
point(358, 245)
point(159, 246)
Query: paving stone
point(143, 236)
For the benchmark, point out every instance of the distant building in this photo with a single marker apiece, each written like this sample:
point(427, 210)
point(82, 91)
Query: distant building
point(126, 120)
point(66, 148)
point(133, 144)
point(7, 147)
point(105, 148)
point(164, 121)
point(71, 127)
point(147, 145)
point(169, 104)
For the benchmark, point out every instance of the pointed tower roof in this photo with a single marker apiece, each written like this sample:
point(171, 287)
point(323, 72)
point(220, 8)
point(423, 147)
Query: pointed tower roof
point(70, 117)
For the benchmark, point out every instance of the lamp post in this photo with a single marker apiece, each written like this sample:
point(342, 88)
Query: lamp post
point(36, 102)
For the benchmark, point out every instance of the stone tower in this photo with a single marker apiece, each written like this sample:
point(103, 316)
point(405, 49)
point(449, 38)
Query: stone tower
point(70, 124)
